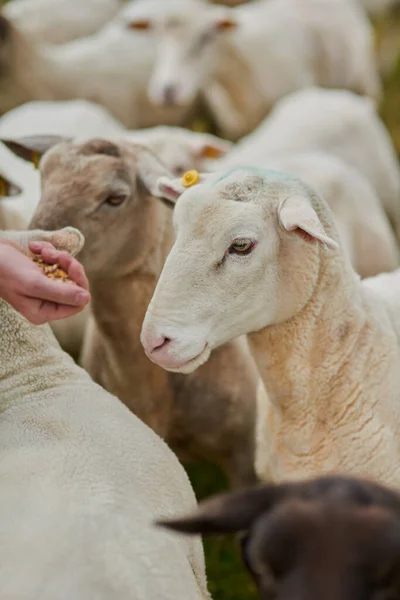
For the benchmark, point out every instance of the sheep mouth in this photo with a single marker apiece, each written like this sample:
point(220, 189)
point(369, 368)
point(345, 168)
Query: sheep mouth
point(193, 363)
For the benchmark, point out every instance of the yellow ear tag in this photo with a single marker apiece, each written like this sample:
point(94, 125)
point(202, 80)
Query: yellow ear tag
point(190, 178)
point(36, 159)
point(3, 187)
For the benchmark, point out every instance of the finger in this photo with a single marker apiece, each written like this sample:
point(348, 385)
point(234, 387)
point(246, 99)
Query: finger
point(49, 311)
point(42, 288)
point(74, 268)
point(77, 273)
point(50, 254)
point(39, 312)
point(37, 247)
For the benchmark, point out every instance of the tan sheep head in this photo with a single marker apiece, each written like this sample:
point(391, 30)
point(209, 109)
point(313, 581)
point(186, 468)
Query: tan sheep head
point(103, 189)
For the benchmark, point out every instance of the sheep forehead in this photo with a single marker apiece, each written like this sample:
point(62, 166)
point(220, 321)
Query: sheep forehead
point(160, 10)
point(67, 161)
point(182, 22)
point(170, 147)
point(233, 200)
point(245, 184)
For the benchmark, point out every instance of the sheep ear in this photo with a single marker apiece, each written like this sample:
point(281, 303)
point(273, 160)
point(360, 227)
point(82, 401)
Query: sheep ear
point(168, 190)
point(226, 23)
point(212, 147)
point(31, 148)
point(153, 174)
point(140, 24)
point(296, 214)
point(8, 188)
point(230, 513)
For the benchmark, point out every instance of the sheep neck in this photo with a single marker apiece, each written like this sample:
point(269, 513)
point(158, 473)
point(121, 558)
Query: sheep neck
point(242, 103)
point(37, 72)
point(115, 356)
point(305, 362)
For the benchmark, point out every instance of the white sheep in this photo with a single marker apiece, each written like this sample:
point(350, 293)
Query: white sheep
point(111, 67)
point(244, 59)
point(257, 252)
point(57, 21)
point(82, 482)
point(336, 122)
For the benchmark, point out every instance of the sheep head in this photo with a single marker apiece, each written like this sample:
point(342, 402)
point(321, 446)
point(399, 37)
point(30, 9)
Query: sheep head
point(335, 538)
point(188, 34)
point(104, 189)
point(247, 255)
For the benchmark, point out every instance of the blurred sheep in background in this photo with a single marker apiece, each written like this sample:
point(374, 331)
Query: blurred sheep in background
point(241, 63)
point(112, 94)
point(60, 21)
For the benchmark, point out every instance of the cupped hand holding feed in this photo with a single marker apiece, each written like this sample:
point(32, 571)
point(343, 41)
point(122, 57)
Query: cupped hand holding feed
point(30, 292)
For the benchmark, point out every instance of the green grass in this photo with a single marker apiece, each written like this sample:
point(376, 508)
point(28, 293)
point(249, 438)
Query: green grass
point(390, 108)
point(227, 578)
point(389, 29)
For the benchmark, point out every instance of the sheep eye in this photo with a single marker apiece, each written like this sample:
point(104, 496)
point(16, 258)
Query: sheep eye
point(115, 200)
point(3, 187)
point(180, 170)
point(242, 247)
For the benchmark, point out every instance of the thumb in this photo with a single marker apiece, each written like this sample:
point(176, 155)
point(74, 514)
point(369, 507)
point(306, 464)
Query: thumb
point(69, 239)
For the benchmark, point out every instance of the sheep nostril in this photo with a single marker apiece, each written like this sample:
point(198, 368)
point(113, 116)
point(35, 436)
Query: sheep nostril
point(169, 95)
point(161, 344)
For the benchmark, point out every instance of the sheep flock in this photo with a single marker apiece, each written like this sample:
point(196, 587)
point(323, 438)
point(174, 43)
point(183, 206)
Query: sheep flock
point(222, 421)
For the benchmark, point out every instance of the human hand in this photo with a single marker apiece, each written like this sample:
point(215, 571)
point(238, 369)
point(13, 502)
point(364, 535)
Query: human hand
point(39, 299)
